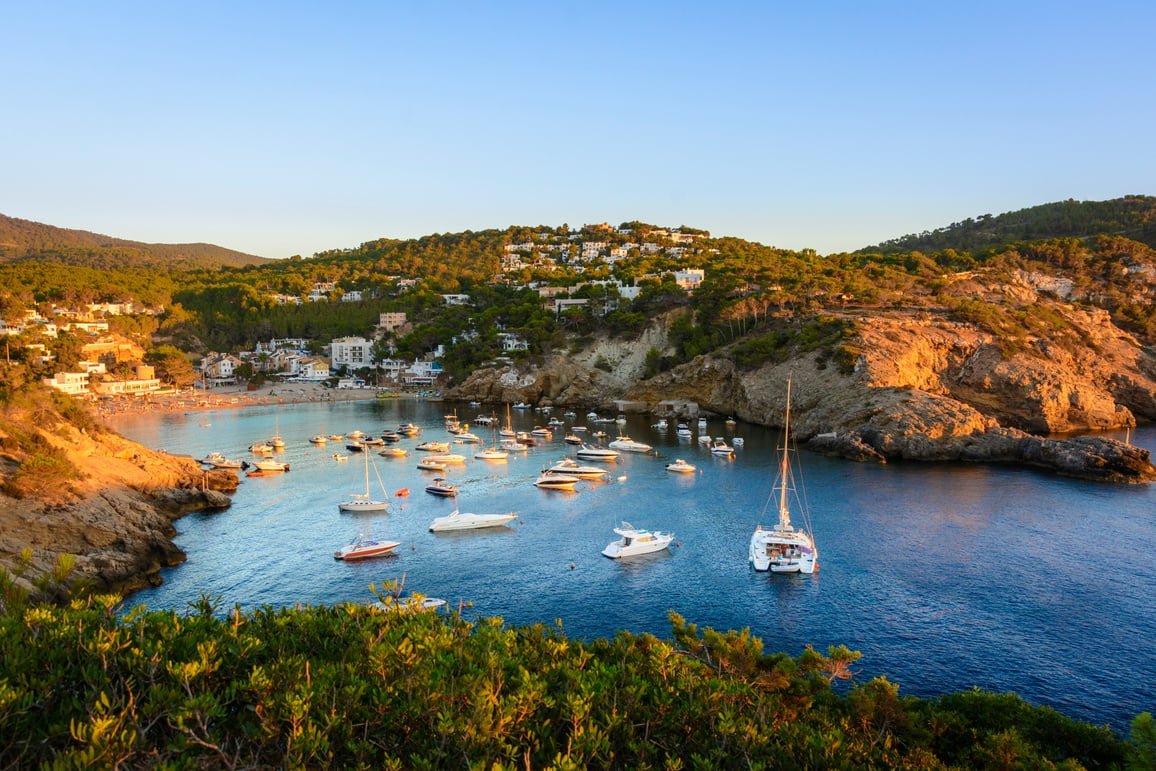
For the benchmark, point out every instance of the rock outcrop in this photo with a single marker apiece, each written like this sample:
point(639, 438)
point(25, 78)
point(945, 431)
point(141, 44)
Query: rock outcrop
point(920, 388)
point(111, 504)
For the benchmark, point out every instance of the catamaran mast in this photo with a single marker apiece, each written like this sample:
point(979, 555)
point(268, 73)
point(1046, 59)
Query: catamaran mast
point(784, 464)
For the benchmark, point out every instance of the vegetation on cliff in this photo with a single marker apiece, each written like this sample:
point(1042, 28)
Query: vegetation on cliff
point(355, 686)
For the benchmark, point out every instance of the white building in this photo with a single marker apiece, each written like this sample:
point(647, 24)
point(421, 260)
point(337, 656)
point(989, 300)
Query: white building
point(217, 368)
point(351, 352)
point(690, 278)
point(71, 383)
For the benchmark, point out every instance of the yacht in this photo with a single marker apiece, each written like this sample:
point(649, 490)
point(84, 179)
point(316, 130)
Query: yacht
point(571, 468)
point(458, 520)
point(557, 482)
point(635, 541)
point(626, 444)
point(588, 452)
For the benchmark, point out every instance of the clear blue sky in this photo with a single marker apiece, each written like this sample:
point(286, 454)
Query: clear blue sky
point(280, 128)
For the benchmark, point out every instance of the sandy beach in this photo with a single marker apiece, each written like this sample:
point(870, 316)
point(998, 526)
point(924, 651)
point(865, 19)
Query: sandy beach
point(230, 397)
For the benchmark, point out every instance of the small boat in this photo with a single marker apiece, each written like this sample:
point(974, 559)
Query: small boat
point(373, 441)
point(731, 422)
point(391, 437)
point(335, 437)
point(683, 431)
point(635, 541)
point(457, 520)
point(441, 487)
point(738, 441)
point(626, 444)
point(318, 439)
point(572, 439)
point(541, 431)
point(577, 428)
point(431, 465)
point(270, 465)
point(433, 447)
point(355, 434)
point(339, 457)
point(524, 437)
point(513, 445)
point(394, 452)
point(521, 406)
point(557, 482)
point(447, 457)
point(261, 448)
point(408, 429)
point(702, 424)
point(681, 466)
point(492, 453)
point(720, 447)
point(355, 446)
point(468, 438)
point(661, 425)
point(364, 547)
point(587, 452)
point(358, 503)
point(569, 467)
point(621, 419)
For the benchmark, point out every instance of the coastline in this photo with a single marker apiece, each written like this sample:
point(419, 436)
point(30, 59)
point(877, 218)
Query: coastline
point(235, 397)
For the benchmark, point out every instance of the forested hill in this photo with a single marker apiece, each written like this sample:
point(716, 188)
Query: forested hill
point(1133, 216)
point(24, 240)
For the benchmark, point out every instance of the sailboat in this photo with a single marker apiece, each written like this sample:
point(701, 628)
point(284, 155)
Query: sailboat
point(784, 548)
point(363, 503)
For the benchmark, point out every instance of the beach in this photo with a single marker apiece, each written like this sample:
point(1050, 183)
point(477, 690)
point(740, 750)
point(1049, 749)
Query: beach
point(228, 397)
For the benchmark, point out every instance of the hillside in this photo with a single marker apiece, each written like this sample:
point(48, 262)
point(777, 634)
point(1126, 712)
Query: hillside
point(24, 240)
point(1133, 216)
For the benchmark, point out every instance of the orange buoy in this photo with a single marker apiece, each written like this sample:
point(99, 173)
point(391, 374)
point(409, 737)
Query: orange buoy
point(402, 492)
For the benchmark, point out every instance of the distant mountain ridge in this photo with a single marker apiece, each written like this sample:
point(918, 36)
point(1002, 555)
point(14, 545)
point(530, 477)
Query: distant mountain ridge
point(28, 241)
point(1133, 216)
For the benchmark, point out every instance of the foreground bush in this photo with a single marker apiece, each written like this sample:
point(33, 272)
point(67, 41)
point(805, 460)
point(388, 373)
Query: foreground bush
point(356, 686)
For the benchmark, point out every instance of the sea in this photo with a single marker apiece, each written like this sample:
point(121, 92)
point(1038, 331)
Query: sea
point(945, 577)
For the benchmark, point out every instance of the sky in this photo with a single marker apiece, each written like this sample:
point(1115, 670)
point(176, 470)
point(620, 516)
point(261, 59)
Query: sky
point(286, 128)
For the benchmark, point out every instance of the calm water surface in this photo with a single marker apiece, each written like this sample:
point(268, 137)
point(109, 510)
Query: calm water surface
point(944, 577)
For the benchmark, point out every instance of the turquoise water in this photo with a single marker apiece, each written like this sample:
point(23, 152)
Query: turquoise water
point(944, 577)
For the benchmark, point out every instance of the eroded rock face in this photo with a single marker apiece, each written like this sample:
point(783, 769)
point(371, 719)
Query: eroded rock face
point(921, 388)
point(115, 516)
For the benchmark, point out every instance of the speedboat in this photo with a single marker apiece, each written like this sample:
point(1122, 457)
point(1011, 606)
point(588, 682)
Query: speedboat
point(683, 431)
point(571, 439)
point(681, 466)
point(738, 441)
point(513, 445)
point(626, 444)
point(441, 487)
point(390, 436)
point(446, 457)
point(720, 447)
point(661, 425)
point(433, 447)
point(588, 452)
point(408, 429)
point(268, 464)
point(355, 434)
point(492, 453)
point(363, 547)
point(261, 448)
point(635, 541)
point(557, 482)
point(318, 439)
point(431, 465)
point(541, 431)
point(355, 446)
point(567, 466)
point(468, 437)
point(394, 452)
point(457, 520)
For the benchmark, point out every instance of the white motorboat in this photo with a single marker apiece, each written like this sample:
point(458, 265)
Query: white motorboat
point(661, 425)
point(589, 452)
point(683, 431)
point(459, 520)
point(570, 467)
point(446, 457)
point(261, 448)
point(363, 547)
point(355, 434)
point(492, 453)
point(433, 447)
point(408, 429)
point(394, 452)
point(626, 444)
point(431, 465)
point(318, 439)
point(680, 466)
point(635, 541)
point(720, 447)
point(268, 464)
point(358, 503)
point(738, 441)
point(466, 437)
point(513, 445)
point(557, 482)
point(784, 548)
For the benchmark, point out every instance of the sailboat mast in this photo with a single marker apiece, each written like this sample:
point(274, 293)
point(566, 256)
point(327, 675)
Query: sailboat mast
point(784, 465)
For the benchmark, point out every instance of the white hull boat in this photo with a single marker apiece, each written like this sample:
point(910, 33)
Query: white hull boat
point(457, 520)
point(362, 503)
point(586, 452)
point(635, 541)
point(557, 482)
point(783, 548)
point(364, 547)
point(680, 466)
point(626, 444)
point(573, 469)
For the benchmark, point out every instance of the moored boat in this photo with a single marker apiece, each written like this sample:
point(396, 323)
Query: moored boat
point(364, 547)
point(589, 452)
point(626, 444)
point(681, 466)
point(458, 520)
point(635, 541)
point(441, 487)
point(557, 482)
point(569, 467)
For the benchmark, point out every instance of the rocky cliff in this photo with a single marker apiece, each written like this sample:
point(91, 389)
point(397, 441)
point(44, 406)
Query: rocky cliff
point(77, 488)
point(917, 387)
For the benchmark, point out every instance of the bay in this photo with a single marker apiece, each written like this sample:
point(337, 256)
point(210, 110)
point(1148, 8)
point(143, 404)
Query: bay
point(945, 577)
